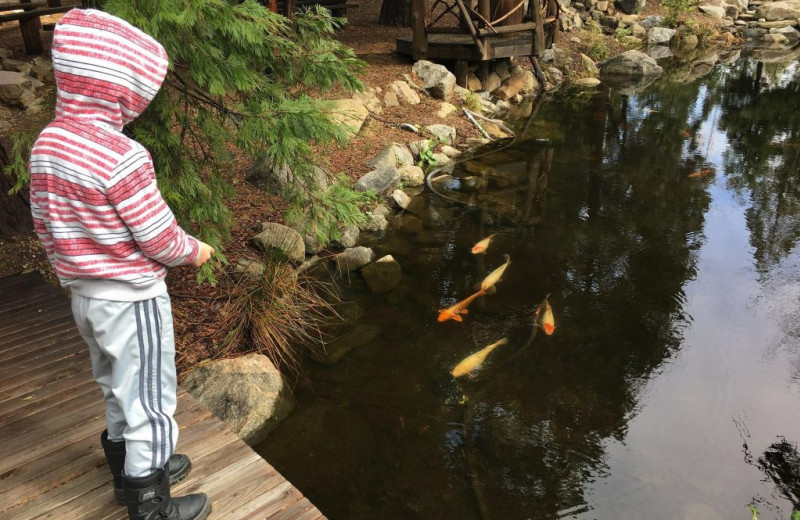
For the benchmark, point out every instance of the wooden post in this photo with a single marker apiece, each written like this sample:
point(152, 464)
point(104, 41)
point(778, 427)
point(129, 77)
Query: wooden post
point(31, 39)
point(485, 10)
point(288, 8)
point(461, 73)
point(538, 32)
point(419, 40)
point(470, 25)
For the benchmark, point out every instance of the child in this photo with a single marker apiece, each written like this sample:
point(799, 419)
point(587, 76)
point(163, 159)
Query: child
point(110, 237)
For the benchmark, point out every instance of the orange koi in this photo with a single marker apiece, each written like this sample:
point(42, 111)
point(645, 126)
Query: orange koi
point(473, 361)
point(455, 312)
point(700, 173)
point(685, 133)
point(543, 317)
point(482, 246)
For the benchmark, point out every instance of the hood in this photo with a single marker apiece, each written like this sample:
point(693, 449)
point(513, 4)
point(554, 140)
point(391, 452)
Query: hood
point(106, 69)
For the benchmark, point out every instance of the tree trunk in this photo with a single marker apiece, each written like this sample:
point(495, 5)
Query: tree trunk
point(396, 13)
point(15, 212)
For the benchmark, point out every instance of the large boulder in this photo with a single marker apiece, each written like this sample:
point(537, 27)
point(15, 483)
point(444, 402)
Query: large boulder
point(630, 6)
point(280, 179)
point(660, 36)
point(247, 393)
point(16, 89)
point(383, 275)
point(629, 64)
point(382, 181)
point(714, 11)
point(437, 80)
point(782, 10)
point(350, 113)
point(282, 239)
point(353, 258)
point(394, 156)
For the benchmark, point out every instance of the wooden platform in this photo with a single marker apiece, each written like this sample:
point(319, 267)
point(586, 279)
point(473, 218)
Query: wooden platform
point(51, 417)
point(462, 47)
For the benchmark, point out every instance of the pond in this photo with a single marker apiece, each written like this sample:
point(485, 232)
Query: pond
point(663, 224)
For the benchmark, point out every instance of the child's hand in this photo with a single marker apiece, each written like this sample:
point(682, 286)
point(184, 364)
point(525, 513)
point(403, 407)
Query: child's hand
point(205, 253)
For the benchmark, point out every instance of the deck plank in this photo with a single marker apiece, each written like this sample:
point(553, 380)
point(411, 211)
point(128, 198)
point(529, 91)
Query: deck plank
point(51, 414)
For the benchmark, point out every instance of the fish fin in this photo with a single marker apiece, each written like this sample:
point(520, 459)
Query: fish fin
point(491, 290)
point(457, 317)
point(464, 311)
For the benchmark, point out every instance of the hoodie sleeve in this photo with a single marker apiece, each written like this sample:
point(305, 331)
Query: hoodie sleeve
point(41, 230)
point(133, 192)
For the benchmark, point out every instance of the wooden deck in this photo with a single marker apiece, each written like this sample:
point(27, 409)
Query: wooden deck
point(52, 414)
point(462, 47)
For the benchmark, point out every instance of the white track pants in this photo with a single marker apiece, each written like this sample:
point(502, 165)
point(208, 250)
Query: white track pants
point(132, 347)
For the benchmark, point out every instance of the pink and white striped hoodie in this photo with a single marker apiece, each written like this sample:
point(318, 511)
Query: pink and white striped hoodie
point(107, 231)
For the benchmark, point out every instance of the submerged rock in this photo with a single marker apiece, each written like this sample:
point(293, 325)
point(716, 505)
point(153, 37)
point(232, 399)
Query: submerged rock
point(383, 275)
point(247, 393)
point(630, 64)
point(356, 337)
point(353, 258)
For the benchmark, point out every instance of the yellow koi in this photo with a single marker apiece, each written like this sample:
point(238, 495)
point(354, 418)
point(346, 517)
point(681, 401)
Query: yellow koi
point(473, 361)
point(495, 275)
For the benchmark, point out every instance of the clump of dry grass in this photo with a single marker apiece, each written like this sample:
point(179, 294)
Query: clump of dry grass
point(279, 314)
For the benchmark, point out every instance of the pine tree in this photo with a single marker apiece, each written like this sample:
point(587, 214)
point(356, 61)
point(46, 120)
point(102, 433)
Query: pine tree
point(241, 78)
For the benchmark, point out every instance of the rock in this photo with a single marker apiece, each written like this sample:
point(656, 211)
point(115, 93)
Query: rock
point(5, 53)
point(630, 6)
point(383, 275)
point(42, 69)
point(417, 146)
point(450, 151)
point(22, 67)
point(689, 42)
point(351, 113)
point(602, 5)
point(502, 70)
point(718, 13)
point(446, 110)
point(404, 92)
point(548, 55)
point(589, 66)
point(390, 99)
point(393, 156)
point(444, 133)
point(369, 98)
point(781, 10)
point(660, 36)
point(554, 76)
point(587, 82)
point(775, 38)
point(638, 31)
point(511, 87)
point(441, 159)
point(790, 33)
point(247, 393)
point(437, 80)
point(609, 23)
point(376, 225)
point(493, 81)
point(15, 89)
point(651, 21)
point(353, 258)
point(658, 52)
point(358, 336)
point(777, 24)
point(412, 176)
point(382, 181)
point(382, 210)
point(249, 267)
point(278, 180)
point(630, 64)
point(349, 236)
point(276, 237)
point(473, 83)
point(399, 199)
point(628, 19)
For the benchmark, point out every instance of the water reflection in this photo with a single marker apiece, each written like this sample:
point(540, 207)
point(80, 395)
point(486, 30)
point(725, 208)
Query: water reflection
point(616, 206)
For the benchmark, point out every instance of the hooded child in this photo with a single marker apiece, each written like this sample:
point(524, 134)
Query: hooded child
point(110, 238)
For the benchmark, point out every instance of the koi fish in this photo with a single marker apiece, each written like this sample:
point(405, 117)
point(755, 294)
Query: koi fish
point(473, 361)
point(543, 317)
point(455, 312)
point(482, 246)
point(495, 275)
point(700, 173)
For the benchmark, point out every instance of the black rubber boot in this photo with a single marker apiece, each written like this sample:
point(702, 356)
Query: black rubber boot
point(148, 498)
point(179, 465)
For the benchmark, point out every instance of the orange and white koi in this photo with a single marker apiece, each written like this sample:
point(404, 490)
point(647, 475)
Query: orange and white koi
point(455, 312)
point(473, 361)
point(495, 275)
point(482, 246)
point(543, 317)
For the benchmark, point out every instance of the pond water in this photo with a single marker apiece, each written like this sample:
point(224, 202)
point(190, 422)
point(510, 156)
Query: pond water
point(664, 225)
